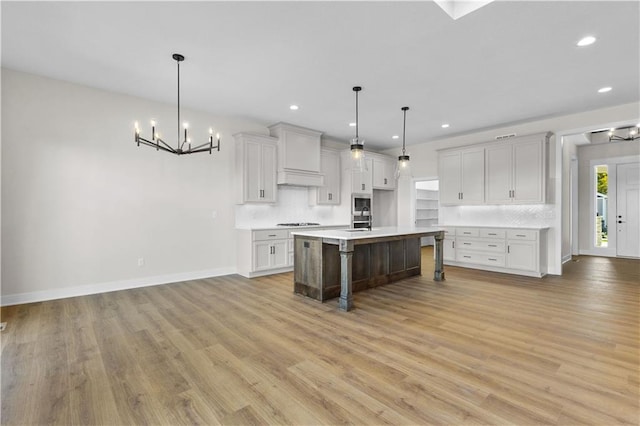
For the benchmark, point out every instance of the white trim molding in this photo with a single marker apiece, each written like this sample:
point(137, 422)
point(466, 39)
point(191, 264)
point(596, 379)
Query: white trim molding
point(85, 290)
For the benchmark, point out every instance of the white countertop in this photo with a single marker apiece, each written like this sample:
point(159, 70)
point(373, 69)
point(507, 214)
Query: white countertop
point(288, 228)
point(532, 227)
point(381, 232)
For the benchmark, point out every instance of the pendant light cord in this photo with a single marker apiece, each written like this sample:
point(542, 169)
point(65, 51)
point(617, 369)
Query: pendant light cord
point(404, 129)
point(357, 139)
point(178, 62)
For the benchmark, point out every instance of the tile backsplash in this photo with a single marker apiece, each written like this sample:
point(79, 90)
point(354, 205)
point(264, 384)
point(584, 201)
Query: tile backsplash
point(498, 215)
point(292, 206)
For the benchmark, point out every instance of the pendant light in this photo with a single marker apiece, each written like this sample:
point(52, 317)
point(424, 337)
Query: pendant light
point(180, 149)
point(357, 144)
point(403, 168)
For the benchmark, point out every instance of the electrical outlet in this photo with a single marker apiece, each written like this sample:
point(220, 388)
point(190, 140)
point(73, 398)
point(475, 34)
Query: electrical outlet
point(141, 261)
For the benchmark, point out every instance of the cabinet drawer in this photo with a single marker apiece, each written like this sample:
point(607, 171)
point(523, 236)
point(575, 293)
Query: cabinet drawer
point(467, 232)
point(449, 232)
point(492, 233)
point(481, 245)
point(278, 234)
point(522, 234)
point(480, 258)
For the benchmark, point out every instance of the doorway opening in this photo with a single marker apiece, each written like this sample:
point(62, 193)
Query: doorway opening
point(427, 206)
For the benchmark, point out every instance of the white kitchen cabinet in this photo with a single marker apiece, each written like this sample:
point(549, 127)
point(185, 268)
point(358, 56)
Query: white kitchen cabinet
point(461, 175)
point(255, 168)
point(329, 194)
point(384, 169)
point(511, 250)
point(449, 244)
point(515, 171)
point(270, 254)
point(298, 155)
point(267, 251)
point(355, 181)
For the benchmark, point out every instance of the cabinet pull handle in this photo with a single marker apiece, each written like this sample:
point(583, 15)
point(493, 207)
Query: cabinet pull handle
point(385, 181)
point(520, 235)
point(467, 257)
point(492, 245)
point(491, 233)
point(466, 233)
point(453, 245)
point(329, 196)
point(271, 235)
point(495, 260)
point(363, 186)
point(508, 249)
point(466, 244)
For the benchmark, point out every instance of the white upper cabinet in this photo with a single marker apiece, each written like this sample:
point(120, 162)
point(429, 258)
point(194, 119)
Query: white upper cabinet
point(298, 155)
point(255, 168)
point(384, 169)
point(329, 194)
point(461, 175)
point(507, 172)
point(515, 171)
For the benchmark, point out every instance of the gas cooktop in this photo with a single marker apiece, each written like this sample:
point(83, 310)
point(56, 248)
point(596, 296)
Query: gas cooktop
point(298, 224)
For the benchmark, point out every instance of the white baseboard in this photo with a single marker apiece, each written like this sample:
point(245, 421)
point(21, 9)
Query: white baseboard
point(601, 253)
point(566, 258)
point(62, 293)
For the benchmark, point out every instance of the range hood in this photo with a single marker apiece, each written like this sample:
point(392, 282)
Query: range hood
point(298, 155)
point(299, 178)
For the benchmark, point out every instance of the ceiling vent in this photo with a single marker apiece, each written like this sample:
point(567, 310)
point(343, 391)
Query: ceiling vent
point(510, 135)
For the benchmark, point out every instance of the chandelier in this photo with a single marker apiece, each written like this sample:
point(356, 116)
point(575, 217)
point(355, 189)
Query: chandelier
point(403, 168)
point(633, 133)
point(357, 144)
point(184, 146)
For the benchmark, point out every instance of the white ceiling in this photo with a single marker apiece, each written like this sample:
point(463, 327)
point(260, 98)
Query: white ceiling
point(507, 62)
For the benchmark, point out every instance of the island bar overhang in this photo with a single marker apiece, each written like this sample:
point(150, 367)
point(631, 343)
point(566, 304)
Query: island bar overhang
point(332, 263)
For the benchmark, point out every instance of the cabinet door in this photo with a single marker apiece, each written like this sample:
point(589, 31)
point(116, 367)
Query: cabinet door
point(472, 188)
point(268, 173)
point(522, 255)
point(528, 172)
point(449, 252)
point(253, 164)
point(330, 167)
point(261, 255)
point(361, 181)
point(450, 177)
point(383, 174)
point(279, 253)
point(499, 166)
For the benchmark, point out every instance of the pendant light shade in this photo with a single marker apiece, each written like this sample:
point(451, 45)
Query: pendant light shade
point(357, 144)
point(404, 167)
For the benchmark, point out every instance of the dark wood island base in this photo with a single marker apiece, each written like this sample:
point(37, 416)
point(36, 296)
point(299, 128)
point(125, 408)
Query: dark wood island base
point(325, 267)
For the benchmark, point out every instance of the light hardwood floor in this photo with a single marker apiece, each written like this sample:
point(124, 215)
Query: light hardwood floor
point(478, 348)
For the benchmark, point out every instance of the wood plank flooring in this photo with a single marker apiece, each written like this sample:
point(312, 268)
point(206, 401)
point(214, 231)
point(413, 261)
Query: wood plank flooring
point(479, 347)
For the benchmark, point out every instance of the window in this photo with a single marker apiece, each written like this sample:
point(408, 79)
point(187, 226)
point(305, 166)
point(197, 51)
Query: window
point(601, 198)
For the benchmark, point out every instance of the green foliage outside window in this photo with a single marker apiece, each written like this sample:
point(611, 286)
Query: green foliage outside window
point(603, 182)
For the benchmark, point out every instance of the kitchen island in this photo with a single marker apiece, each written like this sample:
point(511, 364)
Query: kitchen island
point(332, 263)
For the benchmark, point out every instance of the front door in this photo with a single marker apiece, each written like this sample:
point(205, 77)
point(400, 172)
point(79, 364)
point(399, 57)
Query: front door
point(628, 210)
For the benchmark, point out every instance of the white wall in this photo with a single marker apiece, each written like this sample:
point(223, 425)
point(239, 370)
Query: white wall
point(424, 163)
point(81, 203)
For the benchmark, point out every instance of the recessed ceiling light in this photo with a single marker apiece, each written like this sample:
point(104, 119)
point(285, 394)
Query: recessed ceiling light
point(604, 90)
point(586, 41)
point(293, 107)
point(445, 126)
point(352, 124)
point(395, 137)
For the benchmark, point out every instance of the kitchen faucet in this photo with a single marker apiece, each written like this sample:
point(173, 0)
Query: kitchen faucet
point(368, 217)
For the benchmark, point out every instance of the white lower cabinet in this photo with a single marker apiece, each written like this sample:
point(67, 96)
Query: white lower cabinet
point(270, 254)
point(510, 250)
point(266, 251)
